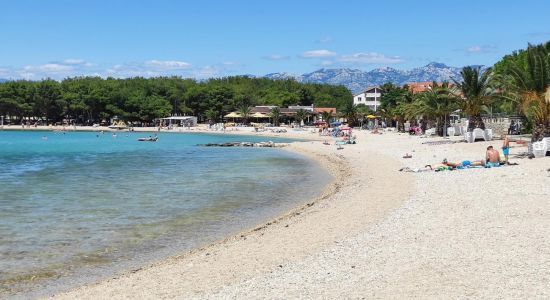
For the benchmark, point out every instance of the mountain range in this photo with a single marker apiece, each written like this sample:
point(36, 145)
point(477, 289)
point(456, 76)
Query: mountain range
point(357, 80)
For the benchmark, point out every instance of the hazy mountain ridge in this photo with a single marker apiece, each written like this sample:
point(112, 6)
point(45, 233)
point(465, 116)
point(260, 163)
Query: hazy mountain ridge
point(357, 80)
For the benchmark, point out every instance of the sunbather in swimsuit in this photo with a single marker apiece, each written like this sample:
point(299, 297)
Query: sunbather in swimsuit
point(493, 158)
point(492, 164)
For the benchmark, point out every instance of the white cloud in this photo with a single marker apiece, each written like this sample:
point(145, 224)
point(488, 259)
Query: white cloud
point(132, 70)
point(479, 49)
point(73, 61)
point(230, 63)
point(370, 58)
point(318, 54)
point(164, 65)
point(473, 49)
point(54, 69)
point(326, 63)
point(48, 68)
point(150, 68)
point(276, 57)
point(207, 72)
point(155, 68)
point(5, 72)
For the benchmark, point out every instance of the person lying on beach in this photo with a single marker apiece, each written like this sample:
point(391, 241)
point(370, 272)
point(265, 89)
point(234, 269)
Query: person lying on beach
point(492, 157)
point(426, 168)
point(463, 164)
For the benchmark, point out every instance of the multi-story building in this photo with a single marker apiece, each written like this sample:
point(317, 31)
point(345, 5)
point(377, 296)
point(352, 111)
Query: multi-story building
point(369, 97)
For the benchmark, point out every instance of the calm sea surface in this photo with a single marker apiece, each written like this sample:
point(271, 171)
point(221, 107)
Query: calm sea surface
point(89, 204)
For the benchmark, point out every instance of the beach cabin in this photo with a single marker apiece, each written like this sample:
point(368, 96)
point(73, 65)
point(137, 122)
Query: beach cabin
point(180, 121)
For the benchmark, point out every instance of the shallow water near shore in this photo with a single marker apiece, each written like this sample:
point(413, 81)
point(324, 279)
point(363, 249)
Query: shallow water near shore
point(90, 204)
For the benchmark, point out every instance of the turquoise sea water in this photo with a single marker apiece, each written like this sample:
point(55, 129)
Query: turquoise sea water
point(88, 203)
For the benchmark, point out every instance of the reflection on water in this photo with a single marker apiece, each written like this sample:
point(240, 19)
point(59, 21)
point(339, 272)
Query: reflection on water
point(83, 203)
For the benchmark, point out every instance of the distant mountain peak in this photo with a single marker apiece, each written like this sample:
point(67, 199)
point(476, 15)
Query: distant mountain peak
point(434, 64)
point(384, 69)
point(357, 80)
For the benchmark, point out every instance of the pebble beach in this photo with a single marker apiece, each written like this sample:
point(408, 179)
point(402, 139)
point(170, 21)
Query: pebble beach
point(376, 232)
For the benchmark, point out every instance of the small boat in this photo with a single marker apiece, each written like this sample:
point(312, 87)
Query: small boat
point(148, 139)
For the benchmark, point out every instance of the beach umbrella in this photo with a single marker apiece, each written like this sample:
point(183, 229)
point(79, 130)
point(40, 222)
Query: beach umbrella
point(233, 115)
point(259, 115)
point(372, 117)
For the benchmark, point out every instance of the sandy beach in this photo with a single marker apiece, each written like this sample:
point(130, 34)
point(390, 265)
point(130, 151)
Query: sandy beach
point(376, 232)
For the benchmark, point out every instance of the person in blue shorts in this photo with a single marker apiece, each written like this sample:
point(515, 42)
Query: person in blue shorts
point(492, 158)
point(506, 148)
point(463, 164)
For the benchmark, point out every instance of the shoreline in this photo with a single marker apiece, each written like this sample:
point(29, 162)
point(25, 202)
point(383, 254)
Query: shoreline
point(274, 232)
point(324, 191)
point(303, 134)
point(381, 234)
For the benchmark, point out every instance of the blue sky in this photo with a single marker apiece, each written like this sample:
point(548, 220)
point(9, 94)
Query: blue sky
point(210, 38)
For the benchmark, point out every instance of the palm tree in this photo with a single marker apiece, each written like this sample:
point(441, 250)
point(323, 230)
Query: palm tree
point(301, 115)
point(245, 112)
point(362, 112)
point(275, 115)
point(326, 116)
point(476, 94)
point(531, 89)
point(437, 103)
point(350, 113)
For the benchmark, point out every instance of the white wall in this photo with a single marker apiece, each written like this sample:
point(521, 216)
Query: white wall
point(372, 99)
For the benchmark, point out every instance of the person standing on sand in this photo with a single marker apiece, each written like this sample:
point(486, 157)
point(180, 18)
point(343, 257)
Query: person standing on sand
point(506, 148)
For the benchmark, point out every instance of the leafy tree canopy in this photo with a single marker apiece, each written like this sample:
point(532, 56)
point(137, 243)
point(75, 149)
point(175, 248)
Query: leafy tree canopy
point(87, 100)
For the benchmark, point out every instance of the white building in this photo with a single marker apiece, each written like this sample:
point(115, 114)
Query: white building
point(298, 107)
point(369, 97)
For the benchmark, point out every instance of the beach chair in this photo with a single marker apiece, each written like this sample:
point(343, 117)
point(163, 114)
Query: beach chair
point(458, 129)
point(469, 137)
point(478, 133)
point(488, 134)
point(540, 148)
point(450, 131)
point(429, 132)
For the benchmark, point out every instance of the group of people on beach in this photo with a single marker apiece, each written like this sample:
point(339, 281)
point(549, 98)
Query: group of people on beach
point(492, 159)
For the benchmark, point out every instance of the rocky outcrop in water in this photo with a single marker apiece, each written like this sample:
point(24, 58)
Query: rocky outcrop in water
point(269, 144)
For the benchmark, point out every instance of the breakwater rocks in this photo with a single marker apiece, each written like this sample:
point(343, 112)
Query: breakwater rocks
point(244, 144)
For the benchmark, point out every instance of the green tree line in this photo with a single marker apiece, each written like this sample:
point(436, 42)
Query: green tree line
point(87, 100)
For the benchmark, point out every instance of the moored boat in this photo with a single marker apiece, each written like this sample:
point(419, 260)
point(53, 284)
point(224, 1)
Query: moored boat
point(148, 139)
